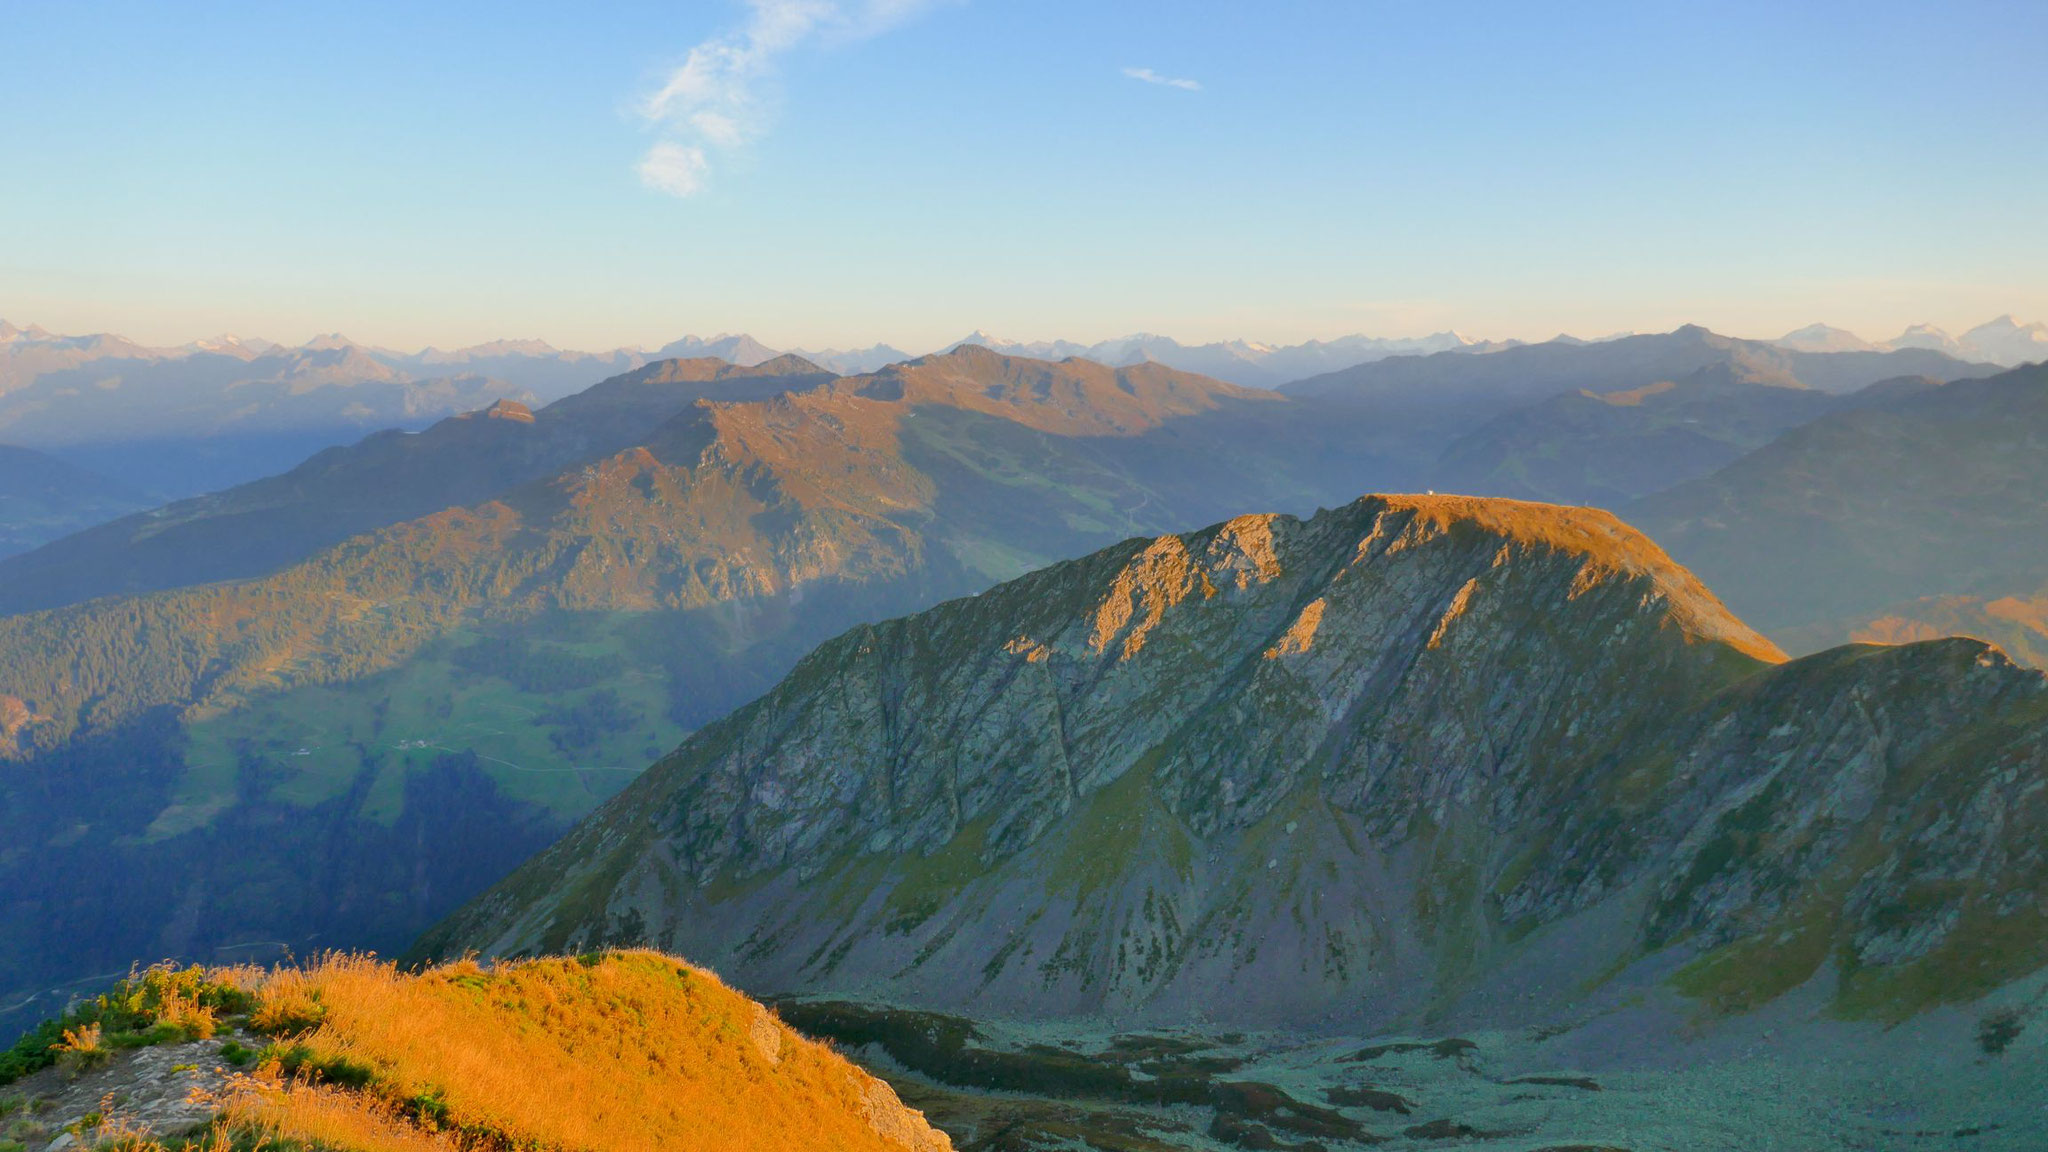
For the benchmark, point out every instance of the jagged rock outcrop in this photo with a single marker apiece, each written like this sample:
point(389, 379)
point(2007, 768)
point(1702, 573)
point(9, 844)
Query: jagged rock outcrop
point(1412, 754)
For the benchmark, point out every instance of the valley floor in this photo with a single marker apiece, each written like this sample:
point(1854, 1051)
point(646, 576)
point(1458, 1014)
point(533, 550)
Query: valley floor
point(1758, 1086)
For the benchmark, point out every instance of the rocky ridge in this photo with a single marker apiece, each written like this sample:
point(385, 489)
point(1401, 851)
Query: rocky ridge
point(1416, 757)
point(256, 528)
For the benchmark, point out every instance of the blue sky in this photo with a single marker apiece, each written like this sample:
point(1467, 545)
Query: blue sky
point(903, 171)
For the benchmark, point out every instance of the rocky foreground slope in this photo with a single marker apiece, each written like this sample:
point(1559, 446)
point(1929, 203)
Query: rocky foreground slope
point(1415, 759)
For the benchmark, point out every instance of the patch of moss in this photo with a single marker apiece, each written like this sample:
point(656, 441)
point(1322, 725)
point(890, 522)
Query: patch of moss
point(1749, 973)
point(1981, 953)
point(239, 1054)
point(926, 883)
point(1111, 827)
point(1448, 903)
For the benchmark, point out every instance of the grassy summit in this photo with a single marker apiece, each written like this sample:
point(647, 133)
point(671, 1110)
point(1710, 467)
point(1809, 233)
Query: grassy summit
point(619, 1051)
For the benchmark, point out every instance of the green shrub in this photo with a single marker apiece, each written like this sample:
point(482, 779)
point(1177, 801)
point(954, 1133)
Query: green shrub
point(1997, 1030)
point(32, 1053)
point(301, 1062)
point(161, 1005)
point(430, 1109)
point(83, 1048)
point(239, 1054)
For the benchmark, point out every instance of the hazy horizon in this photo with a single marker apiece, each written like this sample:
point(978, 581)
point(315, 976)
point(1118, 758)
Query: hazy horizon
point(174, 341)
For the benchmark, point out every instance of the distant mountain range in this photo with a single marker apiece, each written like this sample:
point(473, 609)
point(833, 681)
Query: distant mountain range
point(2004, 341)
point(212, 413)
point(1240, 361)
point(536, 367)
point(208, 415)
point(1600, 423)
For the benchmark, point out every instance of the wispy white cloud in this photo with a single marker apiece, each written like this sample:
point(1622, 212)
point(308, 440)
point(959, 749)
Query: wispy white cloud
point(1151, 77)
point(677, 169)
point(719, 98)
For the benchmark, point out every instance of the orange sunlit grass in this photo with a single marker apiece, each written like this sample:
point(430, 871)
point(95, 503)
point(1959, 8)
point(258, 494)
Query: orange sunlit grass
point(329, 1118)
point(630, 1051)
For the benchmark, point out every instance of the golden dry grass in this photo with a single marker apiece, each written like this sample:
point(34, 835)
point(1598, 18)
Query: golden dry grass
point(328, 1118)
point(1608, 546)
point(632, 1051)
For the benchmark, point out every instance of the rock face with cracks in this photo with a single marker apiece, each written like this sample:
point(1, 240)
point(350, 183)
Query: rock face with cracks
point(1410, 758)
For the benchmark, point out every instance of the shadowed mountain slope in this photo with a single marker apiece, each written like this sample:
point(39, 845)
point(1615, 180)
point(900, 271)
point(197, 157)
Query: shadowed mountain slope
point(392, 476)
point(1417, 755)
point(1936, 493)
point(43, 498)
point(1609, 448)
point(1427, 402)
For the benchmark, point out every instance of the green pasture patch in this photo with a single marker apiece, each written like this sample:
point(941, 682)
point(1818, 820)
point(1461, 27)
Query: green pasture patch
point(566, 748)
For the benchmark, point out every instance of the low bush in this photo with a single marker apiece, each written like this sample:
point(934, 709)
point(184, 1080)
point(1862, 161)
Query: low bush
point(83, 1048)
point(161, 1005)
point(1997, 1030)
point(302, 1062)
point(239, 1054)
